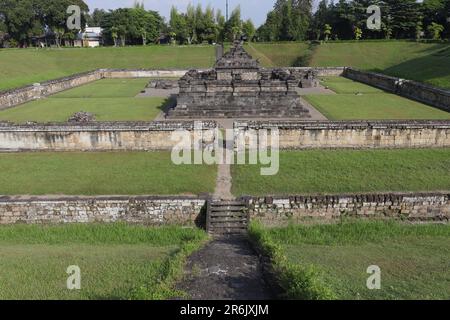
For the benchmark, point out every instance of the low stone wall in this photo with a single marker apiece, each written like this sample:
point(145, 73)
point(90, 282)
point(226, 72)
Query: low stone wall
point(354, 134)
point(11, 98)
point(19, 96)
point(273, 211)
point(142, 210)
point(433, 96)
point(142, 73)
point(323, 71)
point(101, 136)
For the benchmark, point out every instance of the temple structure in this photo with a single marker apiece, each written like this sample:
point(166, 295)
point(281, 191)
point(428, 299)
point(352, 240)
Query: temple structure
point(238, 87)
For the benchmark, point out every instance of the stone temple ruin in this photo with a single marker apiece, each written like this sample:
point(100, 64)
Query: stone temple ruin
point(238, 87)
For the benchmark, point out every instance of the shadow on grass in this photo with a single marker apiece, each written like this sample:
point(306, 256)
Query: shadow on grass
point(169, 103)
point(432, 68)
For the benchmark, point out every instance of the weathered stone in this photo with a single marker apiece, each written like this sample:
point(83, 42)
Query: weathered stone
point(238, 87)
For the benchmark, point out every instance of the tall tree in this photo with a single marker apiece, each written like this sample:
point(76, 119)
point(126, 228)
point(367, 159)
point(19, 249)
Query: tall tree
point(249, 30)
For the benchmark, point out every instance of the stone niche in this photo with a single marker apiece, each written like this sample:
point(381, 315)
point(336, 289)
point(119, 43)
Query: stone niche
point(239, 87)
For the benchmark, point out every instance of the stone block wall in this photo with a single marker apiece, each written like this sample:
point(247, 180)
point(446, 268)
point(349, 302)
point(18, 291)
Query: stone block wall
point(430, 95)
point(322, 71)
point(19, 96)
point(150, 210)
point(101, 136)
point(14, 97)
point(354, 134)
point(11, 98)
point(142, 73)
point(273, 211)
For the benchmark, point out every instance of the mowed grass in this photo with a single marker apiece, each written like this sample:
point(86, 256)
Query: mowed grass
point(429, 63)
point(107, 99)
point(414, 259)
point(340, 171)
point(19, 67)
point(108, 173)
point(423, 62)
point(357, 101)
point(115, 260)
point(281, 54)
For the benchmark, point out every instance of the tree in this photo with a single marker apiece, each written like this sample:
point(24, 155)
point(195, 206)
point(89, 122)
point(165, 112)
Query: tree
point(327, 31)
point(358, 33)
point(59, 33)
point(289, 20)
point(249, 30)
point(435, 30)
point(114, 34)
point(320, 19)
point(97, 18)
point(220, 22)
point(178, 27)
point(233, 27)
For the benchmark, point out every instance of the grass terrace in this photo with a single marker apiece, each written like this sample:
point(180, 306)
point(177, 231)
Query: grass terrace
point(107, 99)
point(102, 173)
point(425, 62)
point(117, 261)
point(341, 171)
point(331, 261)
point(19, 67)
point(358, 101)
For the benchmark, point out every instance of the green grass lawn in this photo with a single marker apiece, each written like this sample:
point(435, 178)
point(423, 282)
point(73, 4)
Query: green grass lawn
point(357, 101)
point(281, 54)
point(340, 171)
point(428, 63)
point(111, 173)
point(423, 62)
point(19, 67)
point(115, 260)
point(414, 259)
point(107, 99)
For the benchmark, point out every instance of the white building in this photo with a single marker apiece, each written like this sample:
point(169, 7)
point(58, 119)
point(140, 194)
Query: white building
point(91, 37)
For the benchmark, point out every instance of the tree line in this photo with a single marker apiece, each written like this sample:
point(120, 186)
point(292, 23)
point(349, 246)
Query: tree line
point(21, 21)
point(347, 19)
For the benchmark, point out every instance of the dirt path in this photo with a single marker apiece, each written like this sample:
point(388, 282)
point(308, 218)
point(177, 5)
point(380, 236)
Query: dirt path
point(225, 269)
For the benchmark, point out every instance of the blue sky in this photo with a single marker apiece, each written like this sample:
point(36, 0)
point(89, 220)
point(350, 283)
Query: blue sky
point(254, 9)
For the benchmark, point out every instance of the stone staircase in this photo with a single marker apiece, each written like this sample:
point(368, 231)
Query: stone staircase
point(226, 217)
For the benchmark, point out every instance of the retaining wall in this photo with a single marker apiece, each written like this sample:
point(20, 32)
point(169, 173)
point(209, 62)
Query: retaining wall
point(354, 134)
point(273, 211)
point(143, 210)
point(101, 136)
point(430, 95)
point(11, 98)
point(19, 96)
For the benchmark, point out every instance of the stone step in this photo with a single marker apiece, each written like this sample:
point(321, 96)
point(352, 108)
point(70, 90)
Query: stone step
point(230, 231)
point(218, 220)
point(226, 208)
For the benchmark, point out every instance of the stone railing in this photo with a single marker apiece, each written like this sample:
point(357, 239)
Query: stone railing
point(97, 136)
point(353, 134)
point(433, 96)
point(151, 210)
point(434, 206)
